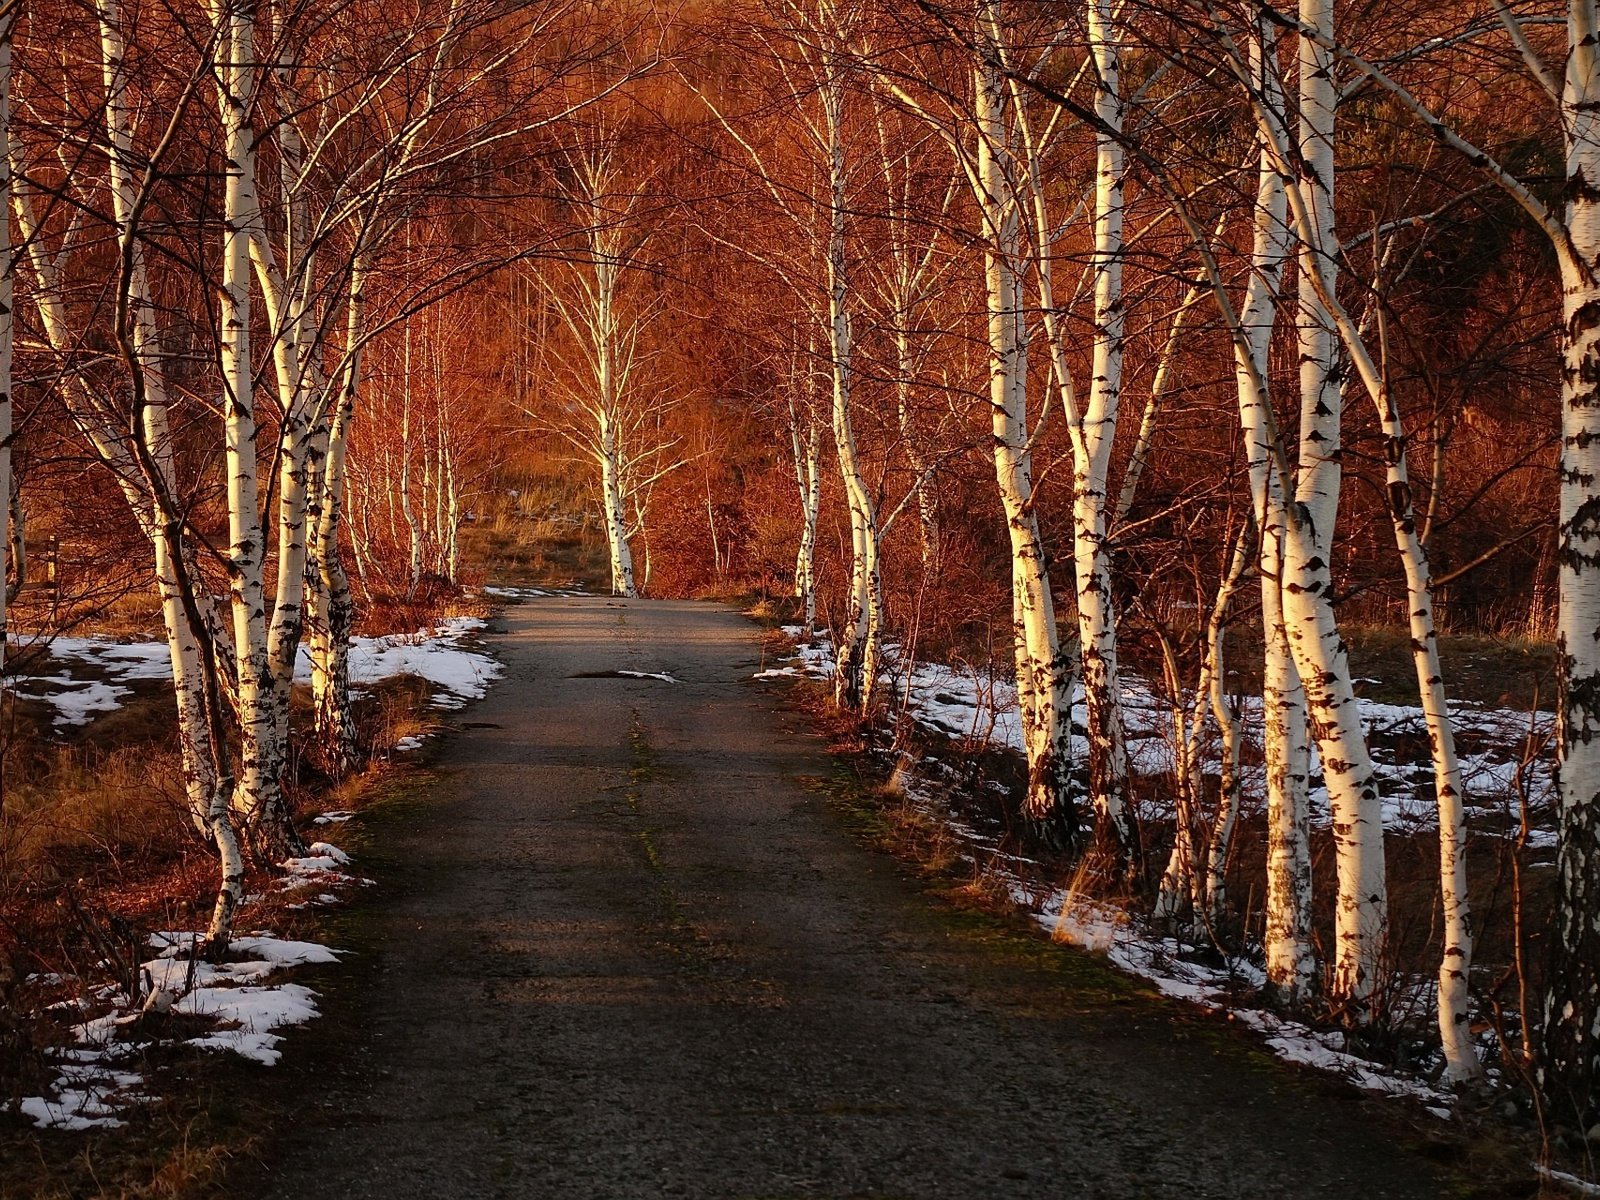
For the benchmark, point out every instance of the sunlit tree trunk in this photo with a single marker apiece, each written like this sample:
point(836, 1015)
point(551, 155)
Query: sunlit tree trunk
point(183, 646)
point(1291, 963)
point(856, 674)
point(806, 443)
point(1043, 672)
point(259, 794)
point(330, 650)
point(1361, 909)
point(1570, 1062)
point(1097, 618)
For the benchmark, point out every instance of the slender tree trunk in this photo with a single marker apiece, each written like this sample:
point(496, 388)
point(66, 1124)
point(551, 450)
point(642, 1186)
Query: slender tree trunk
point(808, 481)
point(1361, 910)
point(1220, 848)
point(187, 667)
point(1291, 963)
point(1044, 690)
point(258, 794)
point(916, 459)
point(1570, 1052)
point(330, 658)
point(1097, 618)
point(857, 670)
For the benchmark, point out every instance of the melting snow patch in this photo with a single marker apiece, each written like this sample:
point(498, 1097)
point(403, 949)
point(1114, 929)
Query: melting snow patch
point(438, 656)
point(93, 1086)
point(659, 675)
point(97, 671)
point(1578, 1187)
point(531, 593)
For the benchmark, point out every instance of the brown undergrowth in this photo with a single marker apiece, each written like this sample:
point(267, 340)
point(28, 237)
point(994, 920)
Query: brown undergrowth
point(95, 853)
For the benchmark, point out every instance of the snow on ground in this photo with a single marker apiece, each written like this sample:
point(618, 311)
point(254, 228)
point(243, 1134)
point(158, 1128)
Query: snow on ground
point(242, 1004)
point(104, 669)
point(99, 1078)
point(440, 656)
point(530, 593)
point(95, 674)
point(972, 704)
point(243, 999)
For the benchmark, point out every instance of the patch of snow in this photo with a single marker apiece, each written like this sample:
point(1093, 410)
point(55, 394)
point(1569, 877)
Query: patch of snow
point(411, 741)
point(1579, 1187)
point(91, 1091)
point(439, 656)
point(659, 675)
point(253, 1013)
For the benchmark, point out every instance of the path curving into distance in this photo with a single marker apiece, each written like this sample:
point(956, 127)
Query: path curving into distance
point(623, 950)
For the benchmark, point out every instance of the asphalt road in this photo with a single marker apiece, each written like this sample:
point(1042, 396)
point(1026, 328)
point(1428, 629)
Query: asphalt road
point(622, 949)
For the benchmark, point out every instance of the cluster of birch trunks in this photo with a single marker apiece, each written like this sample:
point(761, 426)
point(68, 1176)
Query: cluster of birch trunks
point(197, 200)
point(997, 86)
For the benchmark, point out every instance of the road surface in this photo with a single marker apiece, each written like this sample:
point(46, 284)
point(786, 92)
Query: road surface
point(623, 947)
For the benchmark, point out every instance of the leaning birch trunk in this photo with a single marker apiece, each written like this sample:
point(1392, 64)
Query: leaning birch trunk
point(1097, 620)
point(1455, 965)
point(1220, 848)
point(1290, 961)
point(1043, 674)
point(183, 646)
point(1461, 1059)
point(143, 452)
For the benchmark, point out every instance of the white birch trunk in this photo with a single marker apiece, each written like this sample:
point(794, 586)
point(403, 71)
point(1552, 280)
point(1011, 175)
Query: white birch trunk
point(258, 795)
point(1220, 848)
point(1043, 676)
point(808, 481)
point(856, 672)
point(927, 503)
point(407, 508)
point(1570, 1059)
point(330, 652)
point(183, 646)
point(1361, 911)
point(1290, 961)
point(1318, 475)
point(1097, 621)
point(616, 518)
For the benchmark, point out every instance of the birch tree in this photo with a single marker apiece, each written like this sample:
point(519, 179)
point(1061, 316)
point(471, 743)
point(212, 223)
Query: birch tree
point(811, 51)
point(1569, 1062)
